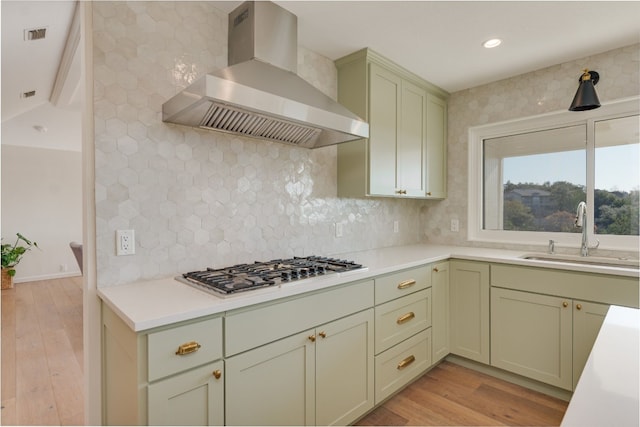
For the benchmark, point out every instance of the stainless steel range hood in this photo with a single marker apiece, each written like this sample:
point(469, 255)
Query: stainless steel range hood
point(259, 94)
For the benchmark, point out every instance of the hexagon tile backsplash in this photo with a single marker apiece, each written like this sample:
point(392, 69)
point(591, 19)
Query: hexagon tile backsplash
point(541, 91)
point(197, 198)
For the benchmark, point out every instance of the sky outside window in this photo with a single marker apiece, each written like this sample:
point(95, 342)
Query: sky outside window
point(566, 166)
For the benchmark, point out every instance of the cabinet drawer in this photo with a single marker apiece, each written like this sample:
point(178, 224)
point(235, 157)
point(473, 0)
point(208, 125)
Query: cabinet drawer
point(602, 288)
point(399, 319)
point(201, 343)
point(247, 329)
point(397, 366)
point(402, 283)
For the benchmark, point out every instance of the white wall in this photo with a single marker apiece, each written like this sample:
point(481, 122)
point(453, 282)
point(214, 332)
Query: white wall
point(42, 199)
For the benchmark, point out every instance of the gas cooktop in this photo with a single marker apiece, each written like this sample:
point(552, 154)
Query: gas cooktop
point(245, 277)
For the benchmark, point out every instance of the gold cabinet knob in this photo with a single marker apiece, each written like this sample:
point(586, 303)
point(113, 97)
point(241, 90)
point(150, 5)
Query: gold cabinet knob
point(428, 193)
point(187, 348)
point(401, 191)
point(312, 338)
point(217, 374)
point(435, 269)
point(579, 306)
point(565, 304)
point(323, 334)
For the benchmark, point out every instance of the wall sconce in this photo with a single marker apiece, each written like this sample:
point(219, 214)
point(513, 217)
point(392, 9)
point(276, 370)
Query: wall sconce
point(586, 97)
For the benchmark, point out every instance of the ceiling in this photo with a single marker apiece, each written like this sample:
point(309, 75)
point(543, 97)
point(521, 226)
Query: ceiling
point(442, 40)
point(438, 40)
point(50, 67)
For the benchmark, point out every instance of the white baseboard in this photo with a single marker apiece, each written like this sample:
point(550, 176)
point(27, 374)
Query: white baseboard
point(47, 276)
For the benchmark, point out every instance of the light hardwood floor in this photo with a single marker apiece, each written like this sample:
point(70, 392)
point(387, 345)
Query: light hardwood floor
point(42, 373)
point(450, 394)
point(42, 376)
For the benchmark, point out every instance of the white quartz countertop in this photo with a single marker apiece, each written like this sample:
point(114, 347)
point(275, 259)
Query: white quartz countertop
point(148, 304)
point(607, 392)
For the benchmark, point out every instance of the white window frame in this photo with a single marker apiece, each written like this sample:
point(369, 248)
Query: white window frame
point(477, 134)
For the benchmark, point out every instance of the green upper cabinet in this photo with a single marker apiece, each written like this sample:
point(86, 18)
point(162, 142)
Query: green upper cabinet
point(405, 155)
point(384, 114)
point(436, 147)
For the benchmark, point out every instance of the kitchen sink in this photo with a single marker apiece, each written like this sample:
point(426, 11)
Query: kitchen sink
point(588, 260)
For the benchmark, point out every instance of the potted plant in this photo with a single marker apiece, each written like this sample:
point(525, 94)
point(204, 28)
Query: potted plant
point(11, 256)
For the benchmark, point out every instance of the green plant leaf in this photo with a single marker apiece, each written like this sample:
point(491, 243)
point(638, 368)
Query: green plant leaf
point(12, 254)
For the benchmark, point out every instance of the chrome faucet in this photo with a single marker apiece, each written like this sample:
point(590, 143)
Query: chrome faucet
point(581, 221)
point(552, 247)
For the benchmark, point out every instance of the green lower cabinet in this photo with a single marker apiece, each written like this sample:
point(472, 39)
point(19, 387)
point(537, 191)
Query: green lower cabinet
point(334, 373)
point(587, 321)
point(172, 375)
point(195, 397)
point(273, 384)
point(323, 376)
point(469, 310)
point(546, 338)
point(531, 335)
point(402, 318)
point(344, 369)
point(398, 366)
point(544, 322)
point(440, 296)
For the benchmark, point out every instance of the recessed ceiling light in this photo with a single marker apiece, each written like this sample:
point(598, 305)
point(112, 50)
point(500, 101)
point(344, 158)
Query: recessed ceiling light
point(491, 43)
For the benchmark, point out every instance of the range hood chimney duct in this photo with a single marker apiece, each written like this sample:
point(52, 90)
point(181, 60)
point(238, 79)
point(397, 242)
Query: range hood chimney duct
point(260, 94)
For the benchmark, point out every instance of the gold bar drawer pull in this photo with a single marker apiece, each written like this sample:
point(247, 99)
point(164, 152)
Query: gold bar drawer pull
point(406, 284)
point(405, 318)
point(187, 348)
point(406, 362)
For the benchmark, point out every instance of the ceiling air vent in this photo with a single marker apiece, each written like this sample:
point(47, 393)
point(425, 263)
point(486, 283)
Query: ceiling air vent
point(28, 94)
point(35, 34)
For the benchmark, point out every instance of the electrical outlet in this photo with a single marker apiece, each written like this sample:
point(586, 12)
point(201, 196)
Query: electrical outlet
point(455, 225)
point(125, 242)
point(396, 226)
point(339, 229)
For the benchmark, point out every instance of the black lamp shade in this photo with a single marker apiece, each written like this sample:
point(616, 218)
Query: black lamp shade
point(586, 97)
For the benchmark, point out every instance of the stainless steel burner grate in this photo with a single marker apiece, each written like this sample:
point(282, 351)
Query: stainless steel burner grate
point(244, 277)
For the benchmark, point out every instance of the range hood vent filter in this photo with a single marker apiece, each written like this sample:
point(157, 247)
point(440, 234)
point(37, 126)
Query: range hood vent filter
point(228, 119)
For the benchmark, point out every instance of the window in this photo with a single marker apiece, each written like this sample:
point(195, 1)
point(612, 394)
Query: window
point(534, 181)
point(526, 177)
point(617, 165)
